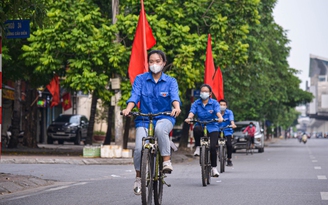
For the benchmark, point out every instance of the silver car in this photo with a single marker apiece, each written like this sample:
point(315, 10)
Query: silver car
point(239, 141)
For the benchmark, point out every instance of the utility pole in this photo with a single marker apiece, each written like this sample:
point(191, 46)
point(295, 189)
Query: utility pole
point(117, 109)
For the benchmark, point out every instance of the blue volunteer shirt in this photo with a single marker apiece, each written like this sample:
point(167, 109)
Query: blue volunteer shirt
point(228, 115)
point(154, 97)
point(207, 112)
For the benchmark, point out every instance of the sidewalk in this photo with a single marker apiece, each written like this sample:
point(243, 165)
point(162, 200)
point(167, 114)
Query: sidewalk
point(65, 154)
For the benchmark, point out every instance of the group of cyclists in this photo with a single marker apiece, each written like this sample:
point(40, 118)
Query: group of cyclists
point(157, 92)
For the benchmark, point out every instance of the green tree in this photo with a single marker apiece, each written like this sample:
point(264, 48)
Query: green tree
point(13, 67)
point(265, 87)
point(77, 42)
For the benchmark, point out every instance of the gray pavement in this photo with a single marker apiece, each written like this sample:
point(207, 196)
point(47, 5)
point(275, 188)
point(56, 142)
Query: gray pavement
point(61, 154)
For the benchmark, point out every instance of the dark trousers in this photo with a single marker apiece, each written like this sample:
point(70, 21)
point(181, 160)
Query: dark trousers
point(214, 136)
point(229, 146)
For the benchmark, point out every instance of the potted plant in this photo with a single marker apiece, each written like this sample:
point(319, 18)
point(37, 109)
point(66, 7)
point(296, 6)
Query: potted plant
point(99, 135)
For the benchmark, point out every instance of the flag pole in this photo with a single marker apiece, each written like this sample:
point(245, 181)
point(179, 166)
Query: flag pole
point(0, 91)
point(144, 36)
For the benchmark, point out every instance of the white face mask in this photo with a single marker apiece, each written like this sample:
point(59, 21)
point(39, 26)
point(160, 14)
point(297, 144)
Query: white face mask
point(156, 68)
point(223, 108)
point(204, 95)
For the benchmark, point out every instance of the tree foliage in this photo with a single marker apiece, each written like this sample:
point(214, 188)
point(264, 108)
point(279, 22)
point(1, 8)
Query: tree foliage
point(79, 42)
point(265, 87)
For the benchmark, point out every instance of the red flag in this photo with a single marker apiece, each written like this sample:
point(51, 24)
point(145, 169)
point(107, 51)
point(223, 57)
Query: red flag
point(218, 85)
point(67, 103)
point(209, 64)
point(143, 40)
point(53, 88)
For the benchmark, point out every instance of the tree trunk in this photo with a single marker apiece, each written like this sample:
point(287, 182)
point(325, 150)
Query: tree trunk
point(108, 138)
point(185, 128)
point(126, 132)
point(30, 118)
point(92, 118)
point(15, 122)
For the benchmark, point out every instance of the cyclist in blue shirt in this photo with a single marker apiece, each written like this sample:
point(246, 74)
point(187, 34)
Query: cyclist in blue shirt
point(156, 92)
point(228, 132)
point(206, 108)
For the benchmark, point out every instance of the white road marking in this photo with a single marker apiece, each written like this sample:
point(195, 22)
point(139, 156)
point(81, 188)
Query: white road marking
point(322, 177)
point(317, 167)
point(57, 188)
point(314, 160)
point(324, 195)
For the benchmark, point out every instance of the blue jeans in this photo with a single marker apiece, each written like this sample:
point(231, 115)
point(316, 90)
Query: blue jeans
point(162, 131)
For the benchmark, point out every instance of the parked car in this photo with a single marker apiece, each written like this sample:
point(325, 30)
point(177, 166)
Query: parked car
point(72, 128)
point(239, 141)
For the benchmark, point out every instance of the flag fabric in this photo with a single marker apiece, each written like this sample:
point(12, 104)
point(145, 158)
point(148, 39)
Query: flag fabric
point(218, 85)
point(209, 64)
point(67, 103)
point(53, 88)
point(143, 40)
point(211, 77)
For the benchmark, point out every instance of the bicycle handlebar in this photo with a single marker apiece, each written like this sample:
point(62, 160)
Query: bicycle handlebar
point(204, 122)
point(228, 126)
point(147, 115)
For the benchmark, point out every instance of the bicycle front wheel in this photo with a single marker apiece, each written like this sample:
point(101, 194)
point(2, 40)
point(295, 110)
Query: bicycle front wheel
point(147, 165)
point(158, 181)
point(208, 167)
point(203, 164)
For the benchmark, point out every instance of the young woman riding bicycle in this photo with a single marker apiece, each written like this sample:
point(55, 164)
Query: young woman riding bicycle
point(206, 108)
point(156, 92)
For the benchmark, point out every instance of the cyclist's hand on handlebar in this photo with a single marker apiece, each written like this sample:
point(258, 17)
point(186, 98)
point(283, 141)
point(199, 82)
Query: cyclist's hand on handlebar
point(220, 119)
point(125, 112)
point(188, 120)
point(175, 112)
point(233, 126)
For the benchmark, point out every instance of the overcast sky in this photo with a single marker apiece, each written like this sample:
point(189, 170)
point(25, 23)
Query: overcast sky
point(307, 24)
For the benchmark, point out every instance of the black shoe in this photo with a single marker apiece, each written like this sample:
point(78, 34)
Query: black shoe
point(229, 164)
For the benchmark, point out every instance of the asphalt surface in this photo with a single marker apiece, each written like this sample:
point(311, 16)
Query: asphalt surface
point(60, 154)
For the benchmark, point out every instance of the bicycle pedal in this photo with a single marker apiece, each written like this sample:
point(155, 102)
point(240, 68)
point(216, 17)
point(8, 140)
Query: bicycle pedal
point(166, 172)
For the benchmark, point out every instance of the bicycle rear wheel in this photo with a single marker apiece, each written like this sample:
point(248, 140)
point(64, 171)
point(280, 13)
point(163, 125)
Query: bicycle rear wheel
point(221, 153)
point(147, 167)
point(203, 164)
point(158, 181)
point(208, 167)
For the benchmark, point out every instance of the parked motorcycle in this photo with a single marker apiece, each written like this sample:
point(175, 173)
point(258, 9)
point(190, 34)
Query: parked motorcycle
point(5, 139)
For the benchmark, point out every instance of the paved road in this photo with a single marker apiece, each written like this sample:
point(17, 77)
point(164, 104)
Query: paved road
point(286, 173)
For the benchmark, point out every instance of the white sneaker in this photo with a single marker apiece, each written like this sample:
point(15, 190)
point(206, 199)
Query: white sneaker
point(215, 172)
point(137, 186)
point(167, 167)
point(197, 151)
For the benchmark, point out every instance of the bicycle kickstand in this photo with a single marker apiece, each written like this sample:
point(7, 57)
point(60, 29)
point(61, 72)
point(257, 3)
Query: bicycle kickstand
point(168, 185)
